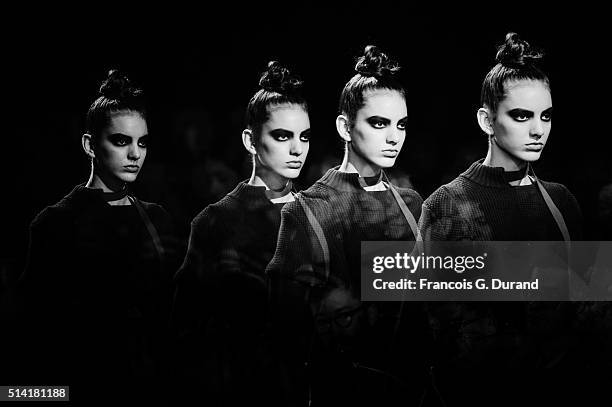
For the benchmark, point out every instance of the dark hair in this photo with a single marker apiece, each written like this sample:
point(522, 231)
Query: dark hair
point(278, 86)
point(116, 94)
point(516, 60)
point(374, 71)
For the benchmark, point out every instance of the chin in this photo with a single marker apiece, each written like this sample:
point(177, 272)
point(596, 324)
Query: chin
point(290, 173)
point(128, 177)
point(530, 157)
point(385, 162)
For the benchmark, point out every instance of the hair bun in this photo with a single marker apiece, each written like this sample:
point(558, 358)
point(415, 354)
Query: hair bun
point(375, 63)
point(279, 79)
point(515, 52)
point(118, 86)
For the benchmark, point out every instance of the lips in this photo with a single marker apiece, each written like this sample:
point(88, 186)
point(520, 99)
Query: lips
point(534, 146)
point(131, 168)
point(294, 164)
point(390, 153)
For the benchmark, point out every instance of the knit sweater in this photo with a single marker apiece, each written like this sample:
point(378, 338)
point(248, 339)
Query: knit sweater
point(99, 291)
point(300, 281)
point(480, 205)
point(348, 215)
point(230, 244)
point(220, 300)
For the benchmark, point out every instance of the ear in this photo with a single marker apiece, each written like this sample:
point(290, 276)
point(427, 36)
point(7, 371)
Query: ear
point(485, 120)
point(343, 127)
point(87, 143)
point(247, 140)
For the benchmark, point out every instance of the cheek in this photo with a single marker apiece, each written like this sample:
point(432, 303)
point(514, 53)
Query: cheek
point(364, 138)
point(272, 151)
point(111, 155)
point(509, 131)
point(402, 138)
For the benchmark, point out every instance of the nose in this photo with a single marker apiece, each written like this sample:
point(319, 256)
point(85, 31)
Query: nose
point(393, 136)
point(296, 148)
point(537, 129)
point(134, 152)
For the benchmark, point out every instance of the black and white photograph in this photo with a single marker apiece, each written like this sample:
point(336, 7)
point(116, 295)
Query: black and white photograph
point(228, 205)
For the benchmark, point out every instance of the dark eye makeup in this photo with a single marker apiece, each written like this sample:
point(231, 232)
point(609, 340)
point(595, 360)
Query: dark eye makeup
point(520, 115)
point(119, 139)
point(143, 141)
point(547, 114)
point(305, 136)
point(378, 122)
point(281, 134)
point(122, 140)
point(402, 123)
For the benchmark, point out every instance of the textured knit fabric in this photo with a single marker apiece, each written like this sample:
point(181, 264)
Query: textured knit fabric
point(234, 238)
point(220, 300)
point(348, 215)
point(489, 341)
point(480, 205)
point(379, 336)
point(101, 295)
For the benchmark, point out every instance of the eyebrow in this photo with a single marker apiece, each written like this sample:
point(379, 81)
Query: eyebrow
point(375, 117)
point(281, 132)
point(125, 135)
point(305, 132)
point(519, 110)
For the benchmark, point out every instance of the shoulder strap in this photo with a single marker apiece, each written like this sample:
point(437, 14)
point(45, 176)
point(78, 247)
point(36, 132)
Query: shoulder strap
point(553, 209)
point(149, 225)
point(406, 212)
point(318, 230)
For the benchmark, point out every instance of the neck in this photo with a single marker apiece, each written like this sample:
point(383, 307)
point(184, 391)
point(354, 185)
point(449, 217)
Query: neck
point(497, 157)
point(98, 181)
point(275, 184)
point(352, 162)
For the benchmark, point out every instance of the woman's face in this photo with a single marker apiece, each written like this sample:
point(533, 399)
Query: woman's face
point(121, 147)
point(284, 140)
point(379, 130)
point(522, 122)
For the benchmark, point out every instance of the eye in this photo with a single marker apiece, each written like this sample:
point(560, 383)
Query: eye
point(281, 135)
point(521, 118)
point(142, 142)
point(377, 123)
point(345, 319)
point(401, 125)
point(520, 115)
point(119, 140)
point(305, 137)
point(546, 116)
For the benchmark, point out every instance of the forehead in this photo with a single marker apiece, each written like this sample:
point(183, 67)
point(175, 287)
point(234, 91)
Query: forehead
point(339, 298)
point(286, 115)
point(127, 122)
point(383, 102)
point(528, 94)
